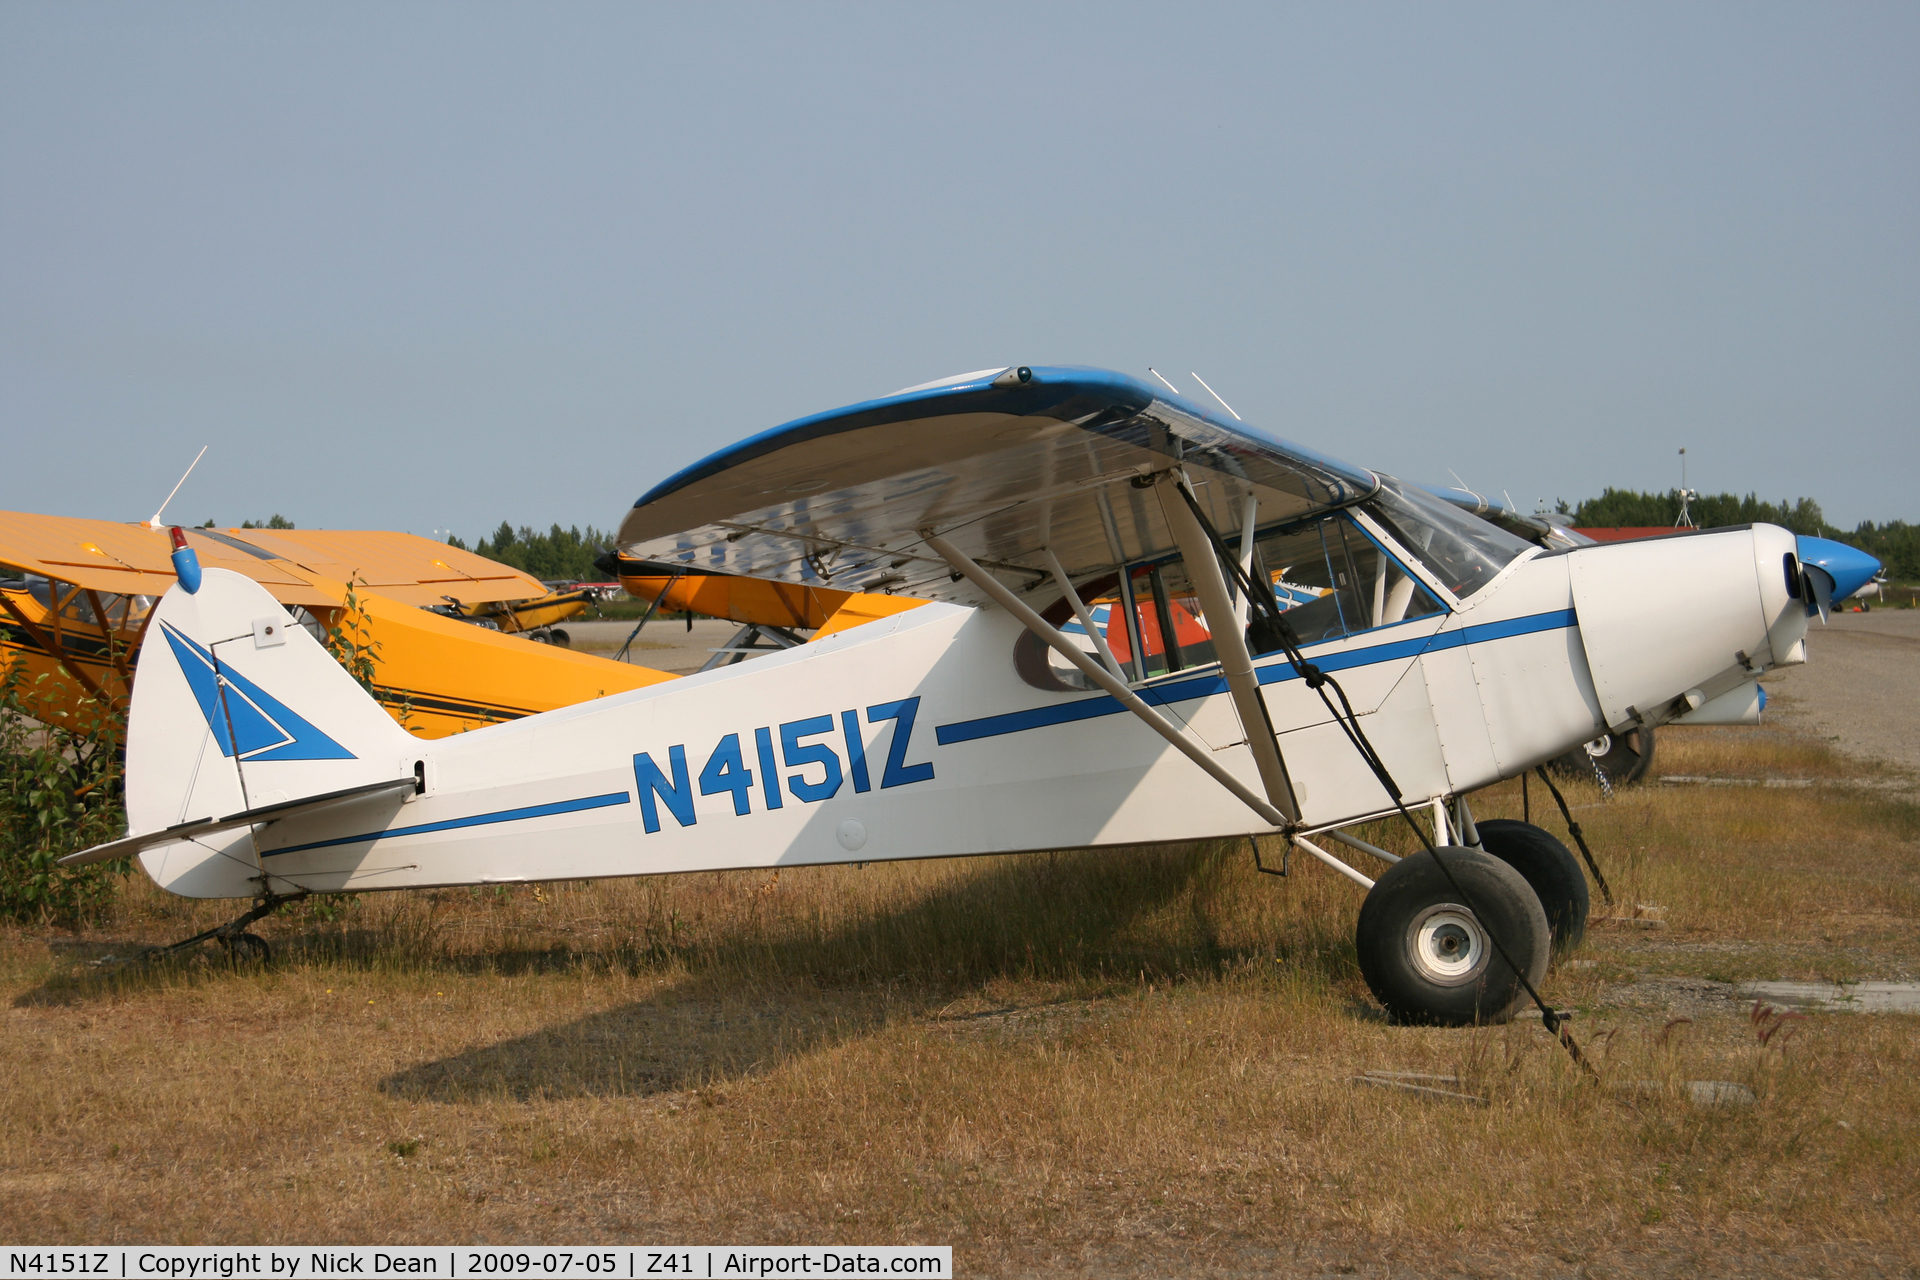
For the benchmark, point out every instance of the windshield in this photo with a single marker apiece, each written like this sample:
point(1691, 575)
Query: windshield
point(1463, 551)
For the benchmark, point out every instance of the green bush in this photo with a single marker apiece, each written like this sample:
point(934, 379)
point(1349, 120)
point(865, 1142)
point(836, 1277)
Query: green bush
point(60, 792)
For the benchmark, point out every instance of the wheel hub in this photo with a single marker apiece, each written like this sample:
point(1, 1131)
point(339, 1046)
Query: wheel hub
point(1449, 946)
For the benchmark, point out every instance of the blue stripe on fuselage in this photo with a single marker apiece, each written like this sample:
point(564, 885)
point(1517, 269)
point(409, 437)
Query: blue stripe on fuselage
point(1275, 673)
point(477, 820)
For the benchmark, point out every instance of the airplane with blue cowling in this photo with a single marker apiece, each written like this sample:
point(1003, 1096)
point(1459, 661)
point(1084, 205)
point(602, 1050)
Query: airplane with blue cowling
point(1416, 655)
point(1837, 571)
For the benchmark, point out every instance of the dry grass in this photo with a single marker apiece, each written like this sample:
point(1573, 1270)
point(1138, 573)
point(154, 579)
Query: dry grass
point(1132, 1062)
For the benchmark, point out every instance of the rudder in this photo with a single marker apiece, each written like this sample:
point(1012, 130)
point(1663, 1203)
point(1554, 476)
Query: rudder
point(236, 707)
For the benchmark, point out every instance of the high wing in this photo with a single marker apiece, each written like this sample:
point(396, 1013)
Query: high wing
point(132, 559)
point(404, 566)
point(1001, 463)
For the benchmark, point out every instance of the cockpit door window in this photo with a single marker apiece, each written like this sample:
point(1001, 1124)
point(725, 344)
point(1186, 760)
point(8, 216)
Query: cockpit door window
point(1332, 580)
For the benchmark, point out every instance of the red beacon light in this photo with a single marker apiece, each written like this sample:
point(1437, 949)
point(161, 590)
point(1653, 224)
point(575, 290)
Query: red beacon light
point(186, 565)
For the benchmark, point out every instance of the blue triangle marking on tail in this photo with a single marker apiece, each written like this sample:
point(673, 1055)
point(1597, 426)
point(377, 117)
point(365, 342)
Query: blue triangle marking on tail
point(265, 727)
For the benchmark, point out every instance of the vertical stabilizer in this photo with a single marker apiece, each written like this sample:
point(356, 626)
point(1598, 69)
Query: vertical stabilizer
point(238, 708)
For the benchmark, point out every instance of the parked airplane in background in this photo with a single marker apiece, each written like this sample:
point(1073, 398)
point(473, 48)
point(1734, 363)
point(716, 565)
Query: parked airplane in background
point(76, 597)
point(1441, 655)
point(772, 613)
point(537, 619)
point(1847, 570)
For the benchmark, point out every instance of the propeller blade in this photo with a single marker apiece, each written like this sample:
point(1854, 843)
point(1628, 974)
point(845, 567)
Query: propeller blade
point(1819, 591)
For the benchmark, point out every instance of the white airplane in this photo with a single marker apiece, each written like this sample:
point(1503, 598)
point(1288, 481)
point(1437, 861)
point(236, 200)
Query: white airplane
point(1447, 655)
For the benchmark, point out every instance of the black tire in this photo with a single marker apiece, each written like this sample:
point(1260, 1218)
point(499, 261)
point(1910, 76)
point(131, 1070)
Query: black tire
point(561, 638)
point(1625, 757)
point(247, 948)
point(1426, 955)
point(1552, 871)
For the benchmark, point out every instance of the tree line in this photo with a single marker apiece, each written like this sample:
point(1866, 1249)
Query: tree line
point(558, 555)
point(1896, 544)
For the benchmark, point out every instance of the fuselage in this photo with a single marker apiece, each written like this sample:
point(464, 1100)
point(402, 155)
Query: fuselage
point(919, 736)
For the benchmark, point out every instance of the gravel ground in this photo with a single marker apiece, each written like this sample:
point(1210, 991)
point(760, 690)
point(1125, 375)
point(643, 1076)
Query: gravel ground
point(1860, 687)
point(664, 644)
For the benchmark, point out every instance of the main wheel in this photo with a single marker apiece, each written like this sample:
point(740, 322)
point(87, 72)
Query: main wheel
point(1552, 871)
point(1427, 956)
point(1624, 757)
point(561, 638)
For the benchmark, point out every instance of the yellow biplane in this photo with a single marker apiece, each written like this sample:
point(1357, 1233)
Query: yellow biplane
point(76, 596)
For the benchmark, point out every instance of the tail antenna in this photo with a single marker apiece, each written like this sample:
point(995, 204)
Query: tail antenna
point(155, 522)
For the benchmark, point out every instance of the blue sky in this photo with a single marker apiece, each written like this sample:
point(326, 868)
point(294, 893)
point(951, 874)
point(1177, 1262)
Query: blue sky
point(426, 266)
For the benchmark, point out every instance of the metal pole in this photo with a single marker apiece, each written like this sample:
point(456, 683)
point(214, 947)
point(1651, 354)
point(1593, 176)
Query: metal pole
point(1163, 610)
point(1334, 862)
point(997, 591)
point(1230, 646)
point(1136, 641)
point(1243, 609)
point(1080, 612)
point(1355, 842)
point(1469, 832)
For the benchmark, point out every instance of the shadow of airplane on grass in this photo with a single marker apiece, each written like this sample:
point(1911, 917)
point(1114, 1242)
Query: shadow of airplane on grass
point(748, 1006)
point(748, 998)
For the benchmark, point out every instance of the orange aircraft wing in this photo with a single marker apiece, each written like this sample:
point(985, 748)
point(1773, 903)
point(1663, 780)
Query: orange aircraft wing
point(758, 600)
point(401, 566)
point(131, 559)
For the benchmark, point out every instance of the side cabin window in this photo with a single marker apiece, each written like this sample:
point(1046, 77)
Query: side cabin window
point(1168, 629)
point(76, 605)
point(1328, 576)
point(1332, 580)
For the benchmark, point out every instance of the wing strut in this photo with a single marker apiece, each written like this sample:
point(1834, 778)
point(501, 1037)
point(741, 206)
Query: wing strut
point(1200, 755)
point(1080, 612)
point(1229, 645)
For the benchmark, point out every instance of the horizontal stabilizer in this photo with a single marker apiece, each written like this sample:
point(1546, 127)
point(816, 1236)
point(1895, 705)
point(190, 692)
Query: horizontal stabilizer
point(127, 846)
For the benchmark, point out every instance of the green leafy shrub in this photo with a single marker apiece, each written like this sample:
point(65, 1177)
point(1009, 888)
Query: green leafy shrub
point(60, 791)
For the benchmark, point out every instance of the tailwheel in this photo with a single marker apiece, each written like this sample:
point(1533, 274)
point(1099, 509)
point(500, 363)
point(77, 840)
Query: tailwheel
point(1429, 957)
point(246, 948)
point(233, 937)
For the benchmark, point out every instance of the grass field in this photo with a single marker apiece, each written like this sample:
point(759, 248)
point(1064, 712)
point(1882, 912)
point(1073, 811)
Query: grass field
point(1116, 1062)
